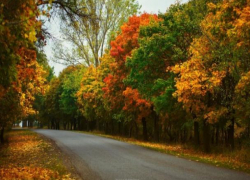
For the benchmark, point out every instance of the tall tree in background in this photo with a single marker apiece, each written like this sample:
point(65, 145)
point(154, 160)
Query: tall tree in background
point(89, 37)
point(60, 100)
point(90, 95)
point(161, 44)
point(121, 48)
point(68, 99)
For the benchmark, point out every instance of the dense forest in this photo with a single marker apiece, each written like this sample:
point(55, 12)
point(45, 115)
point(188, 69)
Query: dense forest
point(180, 76)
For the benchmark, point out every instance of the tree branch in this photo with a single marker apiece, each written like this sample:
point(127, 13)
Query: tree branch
point(67, 7)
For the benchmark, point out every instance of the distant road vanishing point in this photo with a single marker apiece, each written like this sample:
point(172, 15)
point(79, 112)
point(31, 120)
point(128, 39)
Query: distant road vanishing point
point(102, 158)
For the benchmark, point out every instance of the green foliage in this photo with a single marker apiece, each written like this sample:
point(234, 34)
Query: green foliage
point(70, 85)
point(161, 45)
point(164, 102)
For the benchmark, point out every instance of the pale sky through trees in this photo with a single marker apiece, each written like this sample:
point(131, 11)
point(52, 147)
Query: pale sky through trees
point(150, 6)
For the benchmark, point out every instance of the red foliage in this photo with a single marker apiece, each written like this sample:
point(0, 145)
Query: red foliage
point(134, 103)
point(115, 90)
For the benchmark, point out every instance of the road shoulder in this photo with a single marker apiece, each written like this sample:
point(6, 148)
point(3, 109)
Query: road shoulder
point(78, 168)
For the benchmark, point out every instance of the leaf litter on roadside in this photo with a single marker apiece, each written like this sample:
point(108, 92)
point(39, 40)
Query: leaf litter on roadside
point(28, 157)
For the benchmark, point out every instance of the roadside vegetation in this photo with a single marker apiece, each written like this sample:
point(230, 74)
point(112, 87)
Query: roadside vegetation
point(28, 156)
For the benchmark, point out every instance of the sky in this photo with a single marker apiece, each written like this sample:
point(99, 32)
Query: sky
point(149, 6)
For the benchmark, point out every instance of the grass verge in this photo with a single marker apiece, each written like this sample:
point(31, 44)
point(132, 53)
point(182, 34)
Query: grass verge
point(29, 156)
point(237, 160)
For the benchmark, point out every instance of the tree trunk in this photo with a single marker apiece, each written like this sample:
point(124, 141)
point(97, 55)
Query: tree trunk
point(130, 129)
point(136, 130)
point(24, 124)
point(2, 135)
point(185, 135)
point(119, 128)
point(206, 133)
point(52, 124)
point(106, 128)
point(196, 133)
point(79, 124)
point(156, 126)
point(97, 124)
point(124, 129)
point(231, 134)
point(74, 119)
point(213, 135)
point(88, 128)
point(248, 130)
point(30, 123)
point(226, 137)
point(144, 126)
point(217, 135)
point(48, 124)
point(112, 127)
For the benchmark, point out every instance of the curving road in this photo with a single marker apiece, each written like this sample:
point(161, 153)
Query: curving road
point(102, 158)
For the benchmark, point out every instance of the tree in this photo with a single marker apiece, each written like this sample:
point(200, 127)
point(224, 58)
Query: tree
point(162, 44)
point(90, 37)
point(240, 34)
point(121, 48)
point(17, 30)
point(21, 76)
point(52, 107)
point(207, 81)
point(90, 95)
point(20, 72)
point(68, 99)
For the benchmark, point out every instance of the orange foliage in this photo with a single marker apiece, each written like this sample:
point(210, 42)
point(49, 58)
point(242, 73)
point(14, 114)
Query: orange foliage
point(121, 48)
point(23, 77)
point(134, 103)
point(30, 80)
point(194, 82)
point(124, 43)
point(28, 173)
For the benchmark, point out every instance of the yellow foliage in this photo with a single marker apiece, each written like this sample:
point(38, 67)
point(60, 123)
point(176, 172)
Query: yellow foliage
point(213, 115)
point(32, 36)
point(90, 93)
point(243, 83)
point(31, 75)
point(27, 158)
point(201, 76)
point(211, 6)
point(28, 173)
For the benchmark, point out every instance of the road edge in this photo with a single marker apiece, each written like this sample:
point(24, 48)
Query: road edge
point(78, 168)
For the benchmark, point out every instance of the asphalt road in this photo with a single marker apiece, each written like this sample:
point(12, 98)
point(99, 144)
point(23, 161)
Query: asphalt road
point(102, 158)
